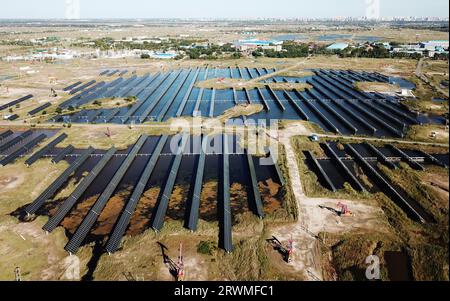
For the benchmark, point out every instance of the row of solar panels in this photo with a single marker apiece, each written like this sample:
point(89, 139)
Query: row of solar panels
point(6, 144)
point(113, 72)
point(158, 217)
point(94, 93)
point(15, 102)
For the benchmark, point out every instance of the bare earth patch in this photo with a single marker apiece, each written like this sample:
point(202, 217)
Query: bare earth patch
point(377, 87)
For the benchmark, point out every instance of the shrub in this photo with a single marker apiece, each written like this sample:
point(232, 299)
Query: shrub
point(206, 247)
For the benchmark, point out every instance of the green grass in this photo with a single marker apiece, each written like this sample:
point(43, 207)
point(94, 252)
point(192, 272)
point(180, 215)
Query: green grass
point(206, 247)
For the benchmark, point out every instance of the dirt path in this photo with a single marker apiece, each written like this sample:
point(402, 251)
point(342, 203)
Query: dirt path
point(305, 258)
point(270, 75)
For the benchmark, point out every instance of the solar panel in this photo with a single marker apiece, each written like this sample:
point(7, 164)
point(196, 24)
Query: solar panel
point(15, 102)
point(40, 108)
point(23, 150)
point(59, 182)
point(82, 231)
point(44, 150)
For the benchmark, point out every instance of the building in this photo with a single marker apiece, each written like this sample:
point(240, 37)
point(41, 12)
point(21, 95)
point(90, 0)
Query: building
point(250, 45)
point(430, 48)
point(338, 46)
point(435, 44)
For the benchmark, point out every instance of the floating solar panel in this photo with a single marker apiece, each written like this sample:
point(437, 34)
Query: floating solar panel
point(173, 97)
point(188, 93)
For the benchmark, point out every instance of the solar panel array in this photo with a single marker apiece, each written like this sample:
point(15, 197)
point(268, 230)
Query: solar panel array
point(124, 220)
point(5, 145)
point(39, 109)
point(39, 154)
point(58, 183)
point(332, 102)
point(23, 150)
point(15, 102)
point(68, 204)
point(79, 236)
point(62, 154)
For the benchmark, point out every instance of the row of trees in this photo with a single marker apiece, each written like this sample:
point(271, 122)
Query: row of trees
point(212, 52)
point(379, 51)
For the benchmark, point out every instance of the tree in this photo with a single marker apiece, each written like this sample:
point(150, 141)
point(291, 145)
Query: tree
point(236, 55)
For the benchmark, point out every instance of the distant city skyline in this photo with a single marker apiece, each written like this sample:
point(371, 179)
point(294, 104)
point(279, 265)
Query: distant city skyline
point(251, 9)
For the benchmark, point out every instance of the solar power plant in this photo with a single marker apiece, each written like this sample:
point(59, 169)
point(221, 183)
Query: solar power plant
point(333, 102)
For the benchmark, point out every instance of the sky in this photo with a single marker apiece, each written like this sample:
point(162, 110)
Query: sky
point(56, 9)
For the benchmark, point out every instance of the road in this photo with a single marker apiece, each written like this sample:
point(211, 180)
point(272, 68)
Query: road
point(281, 71)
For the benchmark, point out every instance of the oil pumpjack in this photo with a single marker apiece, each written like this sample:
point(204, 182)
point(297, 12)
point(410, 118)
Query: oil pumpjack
point(344, 210)
point(180, 265)
point(290, 250)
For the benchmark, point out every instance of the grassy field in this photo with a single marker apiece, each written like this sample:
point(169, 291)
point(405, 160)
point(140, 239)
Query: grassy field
point(427, 244)
point(377, 87)
point(414, 240)
point(424, 133)
point(240, 84)
point(25, 245)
